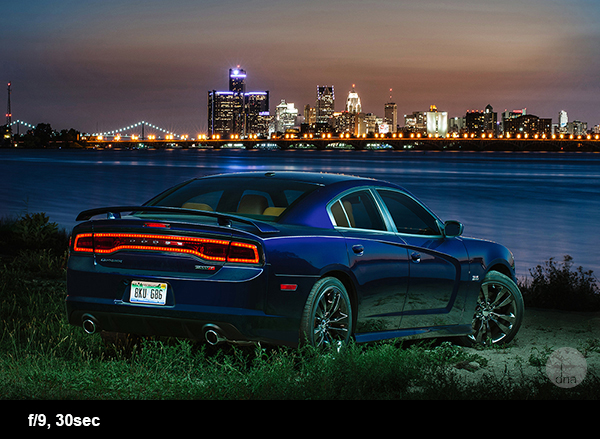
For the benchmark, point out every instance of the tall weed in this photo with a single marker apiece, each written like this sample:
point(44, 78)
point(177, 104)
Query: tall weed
point(559, 286)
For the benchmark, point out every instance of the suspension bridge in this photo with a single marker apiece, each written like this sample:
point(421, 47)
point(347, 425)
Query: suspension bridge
point(136, 130)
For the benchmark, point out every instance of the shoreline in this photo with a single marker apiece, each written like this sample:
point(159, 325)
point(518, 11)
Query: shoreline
point(334, 144)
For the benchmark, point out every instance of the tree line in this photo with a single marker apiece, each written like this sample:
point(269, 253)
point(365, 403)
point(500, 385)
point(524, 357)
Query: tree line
point(42, 136)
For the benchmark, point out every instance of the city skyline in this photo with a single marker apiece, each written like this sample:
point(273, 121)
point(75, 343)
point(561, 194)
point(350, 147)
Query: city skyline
point(98, 66)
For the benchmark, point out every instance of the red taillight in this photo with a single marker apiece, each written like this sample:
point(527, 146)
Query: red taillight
point(209, 249)
point(243, 252)
point(84, 243)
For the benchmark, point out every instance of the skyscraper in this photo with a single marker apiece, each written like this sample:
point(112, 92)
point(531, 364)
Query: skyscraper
point(237, 80)
point(256, 112)
point(391, 115)
point(325, 103)
point(437, 122)
point(353, 102)
point(310, 115)
point(237, 111)
point(286, 115)
point(563, 121)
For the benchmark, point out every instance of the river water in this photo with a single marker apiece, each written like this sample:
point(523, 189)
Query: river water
point(540, 205)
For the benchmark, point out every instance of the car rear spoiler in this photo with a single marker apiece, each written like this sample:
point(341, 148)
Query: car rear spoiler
point(223, 219)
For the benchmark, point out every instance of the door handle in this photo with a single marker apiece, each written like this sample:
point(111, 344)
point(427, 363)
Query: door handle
point(415, 257)
point(358, 249)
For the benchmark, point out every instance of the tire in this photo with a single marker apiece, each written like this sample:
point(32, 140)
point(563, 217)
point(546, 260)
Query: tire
point(499, 311)
point(327, 317)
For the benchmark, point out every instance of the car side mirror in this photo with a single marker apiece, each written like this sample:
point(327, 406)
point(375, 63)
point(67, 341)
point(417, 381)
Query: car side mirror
point(452, 229)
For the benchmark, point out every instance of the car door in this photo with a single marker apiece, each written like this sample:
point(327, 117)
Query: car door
point(377, 259)
point(435, 265)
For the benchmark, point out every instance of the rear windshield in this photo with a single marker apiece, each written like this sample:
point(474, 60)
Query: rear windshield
point(258, 198)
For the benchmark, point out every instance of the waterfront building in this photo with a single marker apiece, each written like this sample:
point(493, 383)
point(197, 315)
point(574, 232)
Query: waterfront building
point(256, 113)
point(456, 125)
point(223, 109)
point(236, 111)
point(372, 123)
point(563, 120)
point(577, 128)
point(325, 103)
point(353, 102)
point(237, 80)
point(506, 115)
point(310, 115)
point(416, 122)
point(482, 122)
point(390, 115)
point(286, 115)
point(345, 122)
point(527, 124)
point(436, 122)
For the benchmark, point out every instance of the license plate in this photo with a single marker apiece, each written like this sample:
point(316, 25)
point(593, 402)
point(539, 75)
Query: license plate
point(152, 293)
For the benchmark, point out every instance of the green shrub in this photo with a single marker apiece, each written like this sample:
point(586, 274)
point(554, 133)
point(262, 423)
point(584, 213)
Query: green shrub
point(32, 232)
point(558, 286)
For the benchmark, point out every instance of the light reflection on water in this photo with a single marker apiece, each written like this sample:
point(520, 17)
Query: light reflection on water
point(540, 205)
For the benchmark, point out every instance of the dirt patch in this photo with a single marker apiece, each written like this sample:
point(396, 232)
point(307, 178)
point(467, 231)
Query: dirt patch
point(542, 333)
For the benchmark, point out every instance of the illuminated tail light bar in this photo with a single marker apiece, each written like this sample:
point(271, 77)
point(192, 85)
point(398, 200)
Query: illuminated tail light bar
point(208, 249)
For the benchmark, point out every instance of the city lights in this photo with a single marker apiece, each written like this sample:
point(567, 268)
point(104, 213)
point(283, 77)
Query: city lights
point(244, 117)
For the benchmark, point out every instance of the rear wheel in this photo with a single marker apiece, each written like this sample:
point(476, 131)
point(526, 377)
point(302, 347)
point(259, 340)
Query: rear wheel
point(327, 318)
point(499, 311)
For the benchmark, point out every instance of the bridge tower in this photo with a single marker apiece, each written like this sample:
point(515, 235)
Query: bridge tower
point(8, 111)
point(8, 133)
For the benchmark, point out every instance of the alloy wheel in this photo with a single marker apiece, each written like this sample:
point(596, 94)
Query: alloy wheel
point(496, 313)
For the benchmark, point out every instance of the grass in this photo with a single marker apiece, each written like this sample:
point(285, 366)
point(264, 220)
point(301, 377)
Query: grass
point(44, 358)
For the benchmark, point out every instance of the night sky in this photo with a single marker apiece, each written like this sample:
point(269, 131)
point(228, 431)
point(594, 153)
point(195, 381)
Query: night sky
point(101, 65)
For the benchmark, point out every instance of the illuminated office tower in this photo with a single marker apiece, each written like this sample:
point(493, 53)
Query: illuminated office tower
point(237, 80)
point(325, 103)
point(223, 113)
point(237, 111)
point(563, 121)
point(482, 122)
point(256, 112)
point(437, 122)
point(391, 116)
point(353, 102)
point(310, 115)
point(286, 115)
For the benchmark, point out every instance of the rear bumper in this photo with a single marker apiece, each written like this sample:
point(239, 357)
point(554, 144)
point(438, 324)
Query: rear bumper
point(235, 327)
point(235, 302)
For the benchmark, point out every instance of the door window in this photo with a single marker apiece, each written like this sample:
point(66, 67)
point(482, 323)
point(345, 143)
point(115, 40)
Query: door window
point(409, 216)
point(357, 210)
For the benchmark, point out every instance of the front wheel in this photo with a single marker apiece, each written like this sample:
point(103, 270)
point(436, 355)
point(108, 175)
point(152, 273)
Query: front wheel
point(327, 318)
point(499, 311)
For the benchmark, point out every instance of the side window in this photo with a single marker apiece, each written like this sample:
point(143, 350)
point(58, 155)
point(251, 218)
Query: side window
point(357, 210)
point(408, 215)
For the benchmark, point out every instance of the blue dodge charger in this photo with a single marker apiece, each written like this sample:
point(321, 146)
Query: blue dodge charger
point(288, 258)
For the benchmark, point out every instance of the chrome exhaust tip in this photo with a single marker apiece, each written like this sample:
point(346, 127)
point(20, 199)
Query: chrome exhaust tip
point(212, 335)
point(90, 326)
